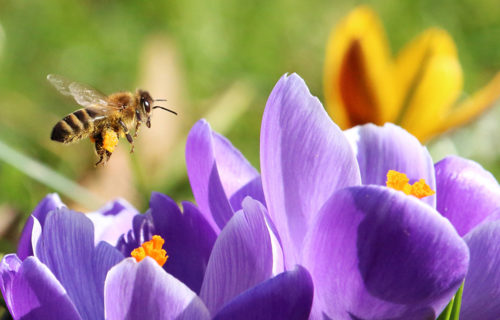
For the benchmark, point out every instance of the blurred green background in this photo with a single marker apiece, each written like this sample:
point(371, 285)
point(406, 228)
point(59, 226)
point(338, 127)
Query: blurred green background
point(217, 59)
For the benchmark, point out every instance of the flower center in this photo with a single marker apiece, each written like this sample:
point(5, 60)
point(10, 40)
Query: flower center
point(153, 249)
point(399, 181)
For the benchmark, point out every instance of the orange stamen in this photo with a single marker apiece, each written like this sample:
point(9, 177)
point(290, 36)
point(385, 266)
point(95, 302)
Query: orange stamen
point(153, 249)
point(399, 181)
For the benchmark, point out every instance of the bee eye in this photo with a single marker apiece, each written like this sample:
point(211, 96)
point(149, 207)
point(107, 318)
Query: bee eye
point(147, 107)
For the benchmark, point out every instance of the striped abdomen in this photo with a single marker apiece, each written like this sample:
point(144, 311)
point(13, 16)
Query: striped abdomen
point(74, 126)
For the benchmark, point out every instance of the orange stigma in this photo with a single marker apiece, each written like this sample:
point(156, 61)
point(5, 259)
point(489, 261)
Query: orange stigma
point(153, 249)
point(399, 181)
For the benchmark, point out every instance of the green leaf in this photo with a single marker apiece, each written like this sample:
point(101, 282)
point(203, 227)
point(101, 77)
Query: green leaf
point(452, 310)
point(457, 303)
point(445, 315)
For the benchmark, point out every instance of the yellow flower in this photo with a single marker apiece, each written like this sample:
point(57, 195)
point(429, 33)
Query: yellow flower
point(419, 90)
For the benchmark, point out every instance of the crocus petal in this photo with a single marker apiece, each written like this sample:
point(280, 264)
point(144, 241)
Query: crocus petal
point(252, 189)
point(471, 107)
point(278, 257)
point(466, 193)
point(241, 257)
point(36, 232)
point(494, 216)
point(111, 221)
point(287, 296)
point(49, 203)
point(188, 239)
point(358, 76)
point(9, 267)
point(481, 296)
point(380, 149)
point(66, 246)
point(304, 158)
point(31, 291)
point(234, 170)
point(216, 170)
point(430, 76)
point(376, 253)
point(142, 230)
point(104, 258)
point(145, 291)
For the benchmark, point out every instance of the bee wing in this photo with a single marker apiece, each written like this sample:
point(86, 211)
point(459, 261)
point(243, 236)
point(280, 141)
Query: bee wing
point(84, 95)
point(99, 112)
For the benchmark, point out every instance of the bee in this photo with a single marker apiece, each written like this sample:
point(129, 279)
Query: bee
point(103, 119)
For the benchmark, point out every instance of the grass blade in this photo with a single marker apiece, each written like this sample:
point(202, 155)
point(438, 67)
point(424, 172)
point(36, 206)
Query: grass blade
point(49, 177)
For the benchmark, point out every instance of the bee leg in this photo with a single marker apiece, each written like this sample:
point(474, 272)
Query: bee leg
point(103, 158)
point(102, 153)
point(127, 134)
point(99, 150)
point(137, 129)
point(139, 122)
point(131, 141)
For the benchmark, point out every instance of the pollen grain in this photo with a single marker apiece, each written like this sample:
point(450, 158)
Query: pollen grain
point(399, 181)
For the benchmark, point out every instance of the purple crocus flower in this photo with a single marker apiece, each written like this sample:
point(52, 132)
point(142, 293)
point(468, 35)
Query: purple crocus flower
point(372, 252)
point(469, 197)
point(466, 194)
point(67, 277)
point(233, 272)
point(64, 278)
point(110, 222)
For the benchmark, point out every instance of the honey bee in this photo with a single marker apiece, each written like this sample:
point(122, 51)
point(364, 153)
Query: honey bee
point(103, 119)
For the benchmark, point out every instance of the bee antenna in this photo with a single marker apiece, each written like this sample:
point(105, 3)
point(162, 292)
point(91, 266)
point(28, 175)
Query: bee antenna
point(165, 109)
point(160, 99)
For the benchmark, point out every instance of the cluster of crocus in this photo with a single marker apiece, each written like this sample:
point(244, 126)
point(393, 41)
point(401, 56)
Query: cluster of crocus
point(372, 252)
point(319, 233)
point(419, 90)
point(67, 271)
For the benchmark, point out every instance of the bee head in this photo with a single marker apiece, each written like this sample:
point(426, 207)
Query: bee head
point(146, 101)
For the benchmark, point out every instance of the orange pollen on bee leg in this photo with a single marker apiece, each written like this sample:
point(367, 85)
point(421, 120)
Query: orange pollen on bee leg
point(153, 249)
point(399, 181)
point(109, 140)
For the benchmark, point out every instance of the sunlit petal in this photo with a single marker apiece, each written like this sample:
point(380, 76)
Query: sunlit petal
point(466, 193)
point(431, 80)
point(304, 159)
point(471, 107)
point(145, 291)
point(358, 76)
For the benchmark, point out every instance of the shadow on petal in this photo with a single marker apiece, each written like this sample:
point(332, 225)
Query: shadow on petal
point(287, 296)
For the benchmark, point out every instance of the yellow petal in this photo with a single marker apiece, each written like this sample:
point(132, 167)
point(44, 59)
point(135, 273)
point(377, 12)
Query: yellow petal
point(471, 107)
point(358, 74)
point(430, 81)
